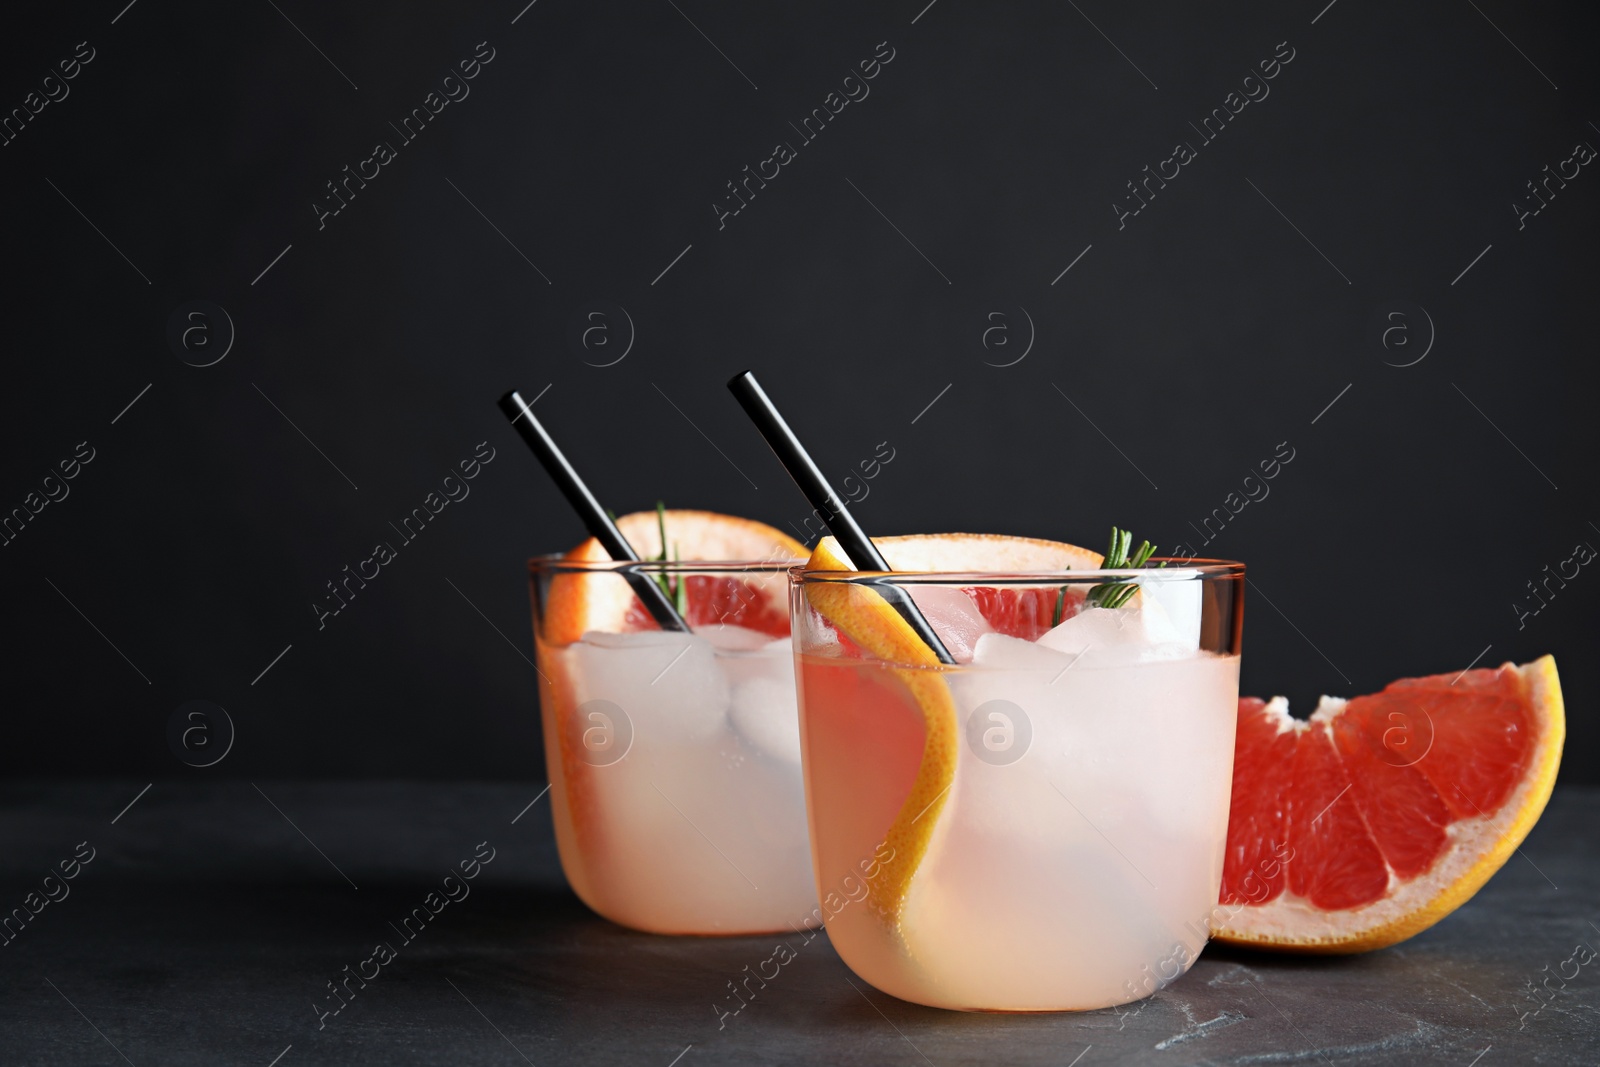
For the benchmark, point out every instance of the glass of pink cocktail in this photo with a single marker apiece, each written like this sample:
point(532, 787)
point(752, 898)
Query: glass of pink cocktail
point(1039, 825)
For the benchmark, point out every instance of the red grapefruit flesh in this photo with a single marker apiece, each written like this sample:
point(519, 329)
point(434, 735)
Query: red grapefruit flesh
point(1026, 613)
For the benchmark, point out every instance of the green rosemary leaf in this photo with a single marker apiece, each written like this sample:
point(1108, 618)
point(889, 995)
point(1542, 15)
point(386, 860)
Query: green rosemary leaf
point(661, 576)
point(1141, 557)
point(1118, 591)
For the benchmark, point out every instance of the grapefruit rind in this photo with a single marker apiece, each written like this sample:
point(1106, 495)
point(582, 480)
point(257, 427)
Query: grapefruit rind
point(1478, 847)
point(978, 553)
point(866, 618)
point(869, 620)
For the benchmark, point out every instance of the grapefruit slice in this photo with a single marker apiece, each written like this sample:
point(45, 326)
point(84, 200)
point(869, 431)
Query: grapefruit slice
point(869, 622)
point(580, 603)
point(1382, 815)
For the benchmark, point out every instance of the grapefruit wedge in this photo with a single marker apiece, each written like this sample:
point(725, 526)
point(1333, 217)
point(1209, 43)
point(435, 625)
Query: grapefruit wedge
point(867, 620)
point(1381, 815)
point(580, 603)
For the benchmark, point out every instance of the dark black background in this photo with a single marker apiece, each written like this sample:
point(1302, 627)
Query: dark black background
point(1196, 339)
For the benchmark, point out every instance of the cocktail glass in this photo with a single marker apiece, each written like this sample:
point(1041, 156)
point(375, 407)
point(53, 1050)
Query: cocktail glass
point(1038, 828)
point(674, 758)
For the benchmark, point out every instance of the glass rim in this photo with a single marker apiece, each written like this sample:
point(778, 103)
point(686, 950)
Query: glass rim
point(554, 563)
point(1177, 569)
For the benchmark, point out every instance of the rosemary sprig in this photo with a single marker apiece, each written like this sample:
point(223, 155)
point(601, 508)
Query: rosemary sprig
point(675, 588)
point(1119, 591)
point(662, 579)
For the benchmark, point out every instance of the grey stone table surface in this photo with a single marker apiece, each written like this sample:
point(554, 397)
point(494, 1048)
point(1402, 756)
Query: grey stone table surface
point(210, 917)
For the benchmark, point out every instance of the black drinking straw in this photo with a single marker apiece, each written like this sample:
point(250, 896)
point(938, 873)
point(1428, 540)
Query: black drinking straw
point(594, 517)
point(856, 544)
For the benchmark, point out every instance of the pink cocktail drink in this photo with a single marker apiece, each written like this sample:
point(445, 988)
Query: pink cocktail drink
point(1041, 825)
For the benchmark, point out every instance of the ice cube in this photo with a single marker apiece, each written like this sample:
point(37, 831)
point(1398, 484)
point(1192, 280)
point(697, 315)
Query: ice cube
point(634, 639)
point(669, 684)
point(1000, 652)
point(1171, 611)
point(741, 664)
point(763, 711)
point(1138, 631)
point(953, 616)
point(725, 637)
point(1096, 628)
